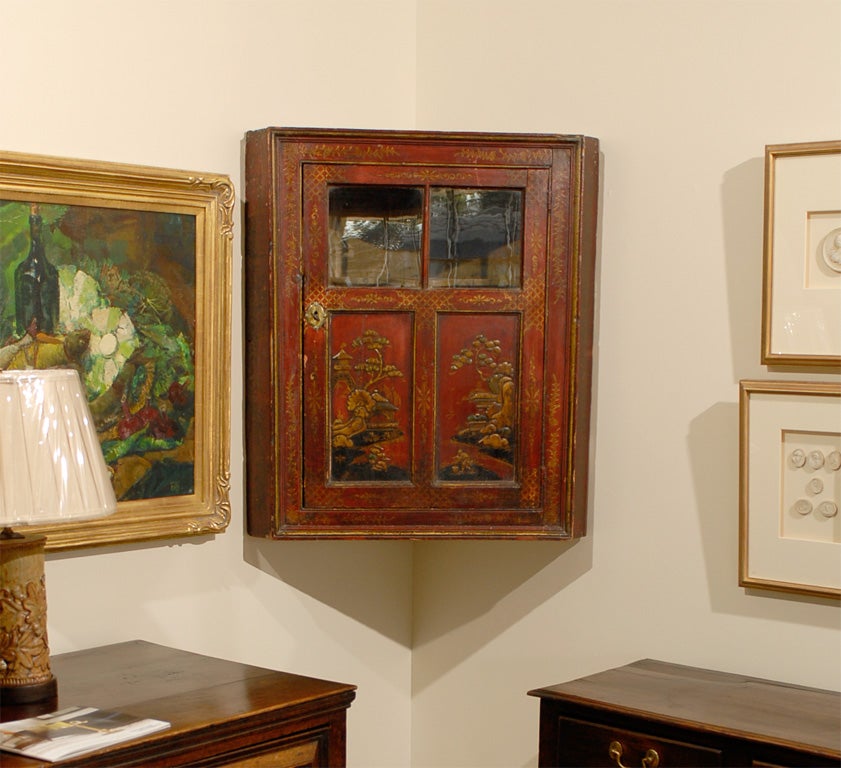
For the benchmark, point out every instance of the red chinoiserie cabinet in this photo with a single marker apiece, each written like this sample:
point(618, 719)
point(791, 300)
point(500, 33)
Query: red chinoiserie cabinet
point(419, 315)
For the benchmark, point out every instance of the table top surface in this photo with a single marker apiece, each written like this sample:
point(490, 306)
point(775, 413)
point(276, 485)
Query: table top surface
point(189, 690)
point(754, 708)
point(137, 671)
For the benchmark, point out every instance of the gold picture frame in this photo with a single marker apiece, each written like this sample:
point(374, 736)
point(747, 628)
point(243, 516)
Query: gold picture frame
point(142, 259)
point(801, 297)
point(790, 487)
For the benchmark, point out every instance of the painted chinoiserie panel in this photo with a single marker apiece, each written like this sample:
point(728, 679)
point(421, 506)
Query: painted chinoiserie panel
point(419, 313)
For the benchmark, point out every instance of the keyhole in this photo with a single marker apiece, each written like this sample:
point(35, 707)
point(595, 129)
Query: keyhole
point(316, 315)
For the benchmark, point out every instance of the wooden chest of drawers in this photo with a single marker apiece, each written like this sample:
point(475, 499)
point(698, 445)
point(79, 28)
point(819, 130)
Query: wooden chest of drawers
point(651, 713)
point(223, 714)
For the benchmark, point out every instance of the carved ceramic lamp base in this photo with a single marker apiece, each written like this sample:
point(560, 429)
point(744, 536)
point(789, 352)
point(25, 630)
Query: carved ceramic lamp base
point(25, 675)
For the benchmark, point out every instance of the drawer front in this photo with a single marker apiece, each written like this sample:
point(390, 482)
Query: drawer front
point(295, 756)
point(767, 757)
point(588, 744)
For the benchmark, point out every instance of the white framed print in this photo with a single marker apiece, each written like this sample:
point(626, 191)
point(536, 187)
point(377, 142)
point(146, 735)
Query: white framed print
point(790, 486)
point(801, 299)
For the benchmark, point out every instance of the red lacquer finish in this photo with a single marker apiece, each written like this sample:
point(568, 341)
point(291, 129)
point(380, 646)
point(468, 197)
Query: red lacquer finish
point(419, 314)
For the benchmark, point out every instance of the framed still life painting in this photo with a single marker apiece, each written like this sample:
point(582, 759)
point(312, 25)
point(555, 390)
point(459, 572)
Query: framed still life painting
point(133, 272)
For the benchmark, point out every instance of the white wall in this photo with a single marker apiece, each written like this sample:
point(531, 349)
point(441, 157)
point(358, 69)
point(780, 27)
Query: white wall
point(177, 83)
point(445, 638)
point(683, 97)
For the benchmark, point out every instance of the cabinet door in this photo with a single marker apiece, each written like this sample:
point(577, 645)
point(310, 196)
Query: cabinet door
point(423, 303)
point(424, 327)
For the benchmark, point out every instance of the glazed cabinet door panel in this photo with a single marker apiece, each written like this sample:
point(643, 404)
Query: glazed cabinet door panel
point(419, 320)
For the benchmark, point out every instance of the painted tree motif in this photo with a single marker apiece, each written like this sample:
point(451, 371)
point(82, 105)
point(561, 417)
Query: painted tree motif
point(364, 409)
point(491, 426)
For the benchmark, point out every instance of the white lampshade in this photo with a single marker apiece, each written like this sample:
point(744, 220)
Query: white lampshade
point(51, 464)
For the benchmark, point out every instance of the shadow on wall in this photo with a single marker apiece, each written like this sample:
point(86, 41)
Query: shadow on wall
point(743, 215)
point(714, 454)
point(489, 586)
point(742, 191)
point(369, 581)
point(714, 435)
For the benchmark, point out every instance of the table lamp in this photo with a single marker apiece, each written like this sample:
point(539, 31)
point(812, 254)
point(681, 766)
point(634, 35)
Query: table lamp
point(51, 471)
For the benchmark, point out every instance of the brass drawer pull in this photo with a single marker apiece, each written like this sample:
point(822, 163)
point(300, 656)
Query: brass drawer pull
point(651, 759)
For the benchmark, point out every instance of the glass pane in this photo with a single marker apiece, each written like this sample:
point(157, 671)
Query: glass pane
point(375, 236)
point(475, 238)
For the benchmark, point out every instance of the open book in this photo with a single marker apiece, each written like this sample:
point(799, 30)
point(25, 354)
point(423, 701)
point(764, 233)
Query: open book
point(73, 731)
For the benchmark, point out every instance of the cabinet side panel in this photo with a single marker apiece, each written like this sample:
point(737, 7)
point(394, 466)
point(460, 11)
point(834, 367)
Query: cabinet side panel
point(258, 274)
point(583, 329)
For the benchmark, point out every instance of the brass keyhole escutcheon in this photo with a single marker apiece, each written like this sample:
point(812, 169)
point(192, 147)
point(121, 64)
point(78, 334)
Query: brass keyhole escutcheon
point(316, 315)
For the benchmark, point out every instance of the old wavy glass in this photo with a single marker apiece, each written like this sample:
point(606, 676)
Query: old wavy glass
point(475, 238)
point(375, 236)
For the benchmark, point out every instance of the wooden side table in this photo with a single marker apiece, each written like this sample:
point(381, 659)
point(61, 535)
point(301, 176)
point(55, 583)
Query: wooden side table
point(651, 713)
point(222, 713)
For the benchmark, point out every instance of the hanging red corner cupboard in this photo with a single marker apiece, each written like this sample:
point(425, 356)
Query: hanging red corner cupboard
point(419, 332)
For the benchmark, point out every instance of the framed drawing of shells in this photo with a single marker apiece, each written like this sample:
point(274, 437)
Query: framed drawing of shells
point(790, 487)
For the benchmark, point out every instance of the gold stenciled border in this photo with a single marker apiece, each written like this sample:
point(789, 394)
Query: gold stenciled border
point(210, 197)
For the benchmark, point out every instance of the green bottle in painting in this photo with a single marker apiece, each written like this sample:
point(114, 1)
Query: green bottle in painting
point(36, 284)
